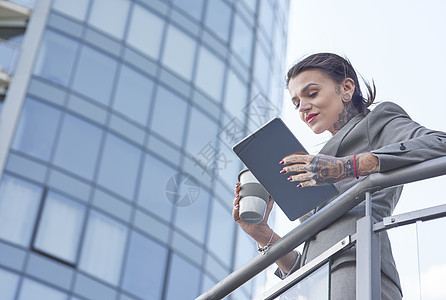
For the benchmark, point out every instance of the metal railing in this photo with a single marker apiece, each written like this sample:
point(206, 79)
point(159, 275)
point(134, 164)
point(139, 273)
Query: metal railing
point(323, 218)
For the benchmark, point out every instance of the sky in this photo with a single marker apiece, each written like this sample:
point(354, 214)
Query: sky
point(401, 46)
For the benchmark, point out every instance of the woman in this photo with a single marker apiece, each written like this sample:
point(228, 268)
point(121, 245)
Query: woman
point(325, 90)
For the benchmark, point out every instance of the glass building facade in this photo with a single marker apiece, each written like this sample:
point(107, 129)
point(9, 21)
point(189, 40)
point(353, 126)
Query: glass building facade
point(117, 119)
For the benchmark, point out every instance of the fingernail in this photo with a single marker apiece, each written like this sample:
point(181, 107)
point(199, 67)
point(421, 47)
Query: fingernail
point(282, 171)
point(299, 185)
point(236, 196)
point(289, 178)
point(237, 206)
point(281, 162)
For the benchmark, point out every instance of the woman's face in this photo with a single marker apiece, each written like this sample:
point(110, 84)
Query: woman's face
point(318, 99)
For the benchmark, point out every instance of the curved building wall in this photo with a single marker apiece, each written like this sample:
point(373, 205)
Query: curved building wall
point(119, 176)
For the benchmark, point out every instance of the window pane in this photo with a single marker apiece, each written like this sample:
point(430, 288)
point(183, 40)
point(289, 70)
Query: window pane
point(279, 44)
point(192, 219)
point(145, 267)
point(194, 8)
point(147, 41)
point(56, 58)
point(33, 290)
point(266, 17)
point(245, 249)
point(8, 285)
point(179, 52)
point(133, 94)
point(221, 234)
point(19, 202)
point(152, 189)
point(176, 108)
point(183, 279)
point(242, 40)
point(95, 74)
point(8, 53)
point(36, 130)
point(78, 147)
point(119, 166)
point(207, 284)
point(235, 96)
point(76, 9)
point(103, 248)
point(210, 73)
point(252, 4)
point(27, 3)
point(218, 18)
point(60, 227)
point(201, 137)
point(261, 70)
point(110, 16)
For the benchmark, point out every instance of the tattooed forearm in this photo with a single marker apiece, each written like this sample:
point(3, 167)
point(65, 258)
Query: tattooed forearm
point(367, 164)
point(310, 170)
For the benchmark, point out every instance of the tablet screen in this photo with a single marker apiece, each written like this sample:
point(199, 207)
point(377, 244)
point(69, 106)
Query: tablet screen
point(261, 152)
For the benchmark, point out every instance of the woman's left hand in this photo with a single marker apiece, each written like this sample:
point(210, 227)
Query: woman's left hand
point(311, 170)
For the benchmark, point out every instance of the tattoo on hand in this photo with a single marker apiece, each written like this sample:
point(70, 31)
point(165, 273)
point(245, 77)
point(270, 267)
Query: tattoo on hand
point(328, 169)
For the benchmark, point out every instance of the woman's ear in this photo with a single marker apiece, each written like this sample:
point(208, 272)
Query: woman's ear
point(348, 86)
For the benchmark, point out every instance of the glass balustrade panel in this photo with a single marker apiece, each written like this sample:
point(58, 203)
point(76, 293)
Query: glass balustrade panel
point(313, 286)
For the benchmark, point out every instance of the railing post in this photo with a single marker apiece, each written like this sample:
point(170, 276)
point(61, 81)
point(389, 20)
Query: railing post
point(368, 257)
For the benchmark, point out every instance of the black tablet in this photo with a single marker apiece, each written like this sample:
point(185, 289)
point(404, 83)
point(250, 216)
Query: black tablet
point(262, 151)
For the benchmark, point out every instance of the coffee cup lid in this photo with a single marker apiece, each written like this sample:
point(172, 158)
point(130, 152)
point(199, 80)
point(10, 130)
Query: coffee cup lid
point(241, 172)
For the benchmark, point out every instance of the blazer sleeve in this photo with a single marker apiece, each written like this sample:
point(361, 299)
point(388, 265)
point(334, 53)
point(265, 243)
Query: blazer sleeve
point(398, 141)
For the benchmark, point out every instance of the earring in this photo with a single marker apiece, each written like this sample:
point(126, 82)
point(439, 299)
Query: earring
point(346, 97)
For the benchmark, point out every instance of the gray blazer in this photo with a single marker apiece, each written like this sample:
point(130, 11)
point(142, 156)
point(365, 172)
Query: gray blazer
point(389, 133)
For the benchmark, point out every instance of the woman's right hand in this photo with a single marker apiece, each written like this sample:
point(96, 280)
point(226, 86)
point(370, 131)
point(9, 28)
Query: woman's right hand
point(262, 233)
point(259, 231)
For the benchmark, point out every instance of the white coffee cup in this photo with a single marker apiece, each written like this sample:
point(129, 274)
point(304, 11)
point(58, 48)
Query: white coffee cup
point(253, 198)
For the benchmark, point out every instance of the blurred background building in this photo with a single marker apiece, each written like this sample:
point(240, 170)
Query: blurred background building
point(117, 119)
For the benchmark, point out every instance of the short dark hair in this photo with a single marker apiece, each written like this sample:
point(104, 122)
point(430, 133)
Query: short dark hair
point(338, 68)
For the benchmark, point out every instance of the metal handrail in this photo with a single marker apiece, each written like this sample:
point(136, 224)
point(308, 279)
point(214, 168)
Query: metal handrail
point(322, 219)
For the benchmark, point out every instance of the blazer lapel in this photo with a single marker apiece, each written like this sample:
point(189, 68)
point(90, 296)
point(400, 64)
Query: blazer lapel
point(332, 146)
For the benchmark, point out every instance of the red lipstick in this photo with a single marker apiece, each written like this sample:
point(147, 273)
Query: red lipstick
point(311, 117)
